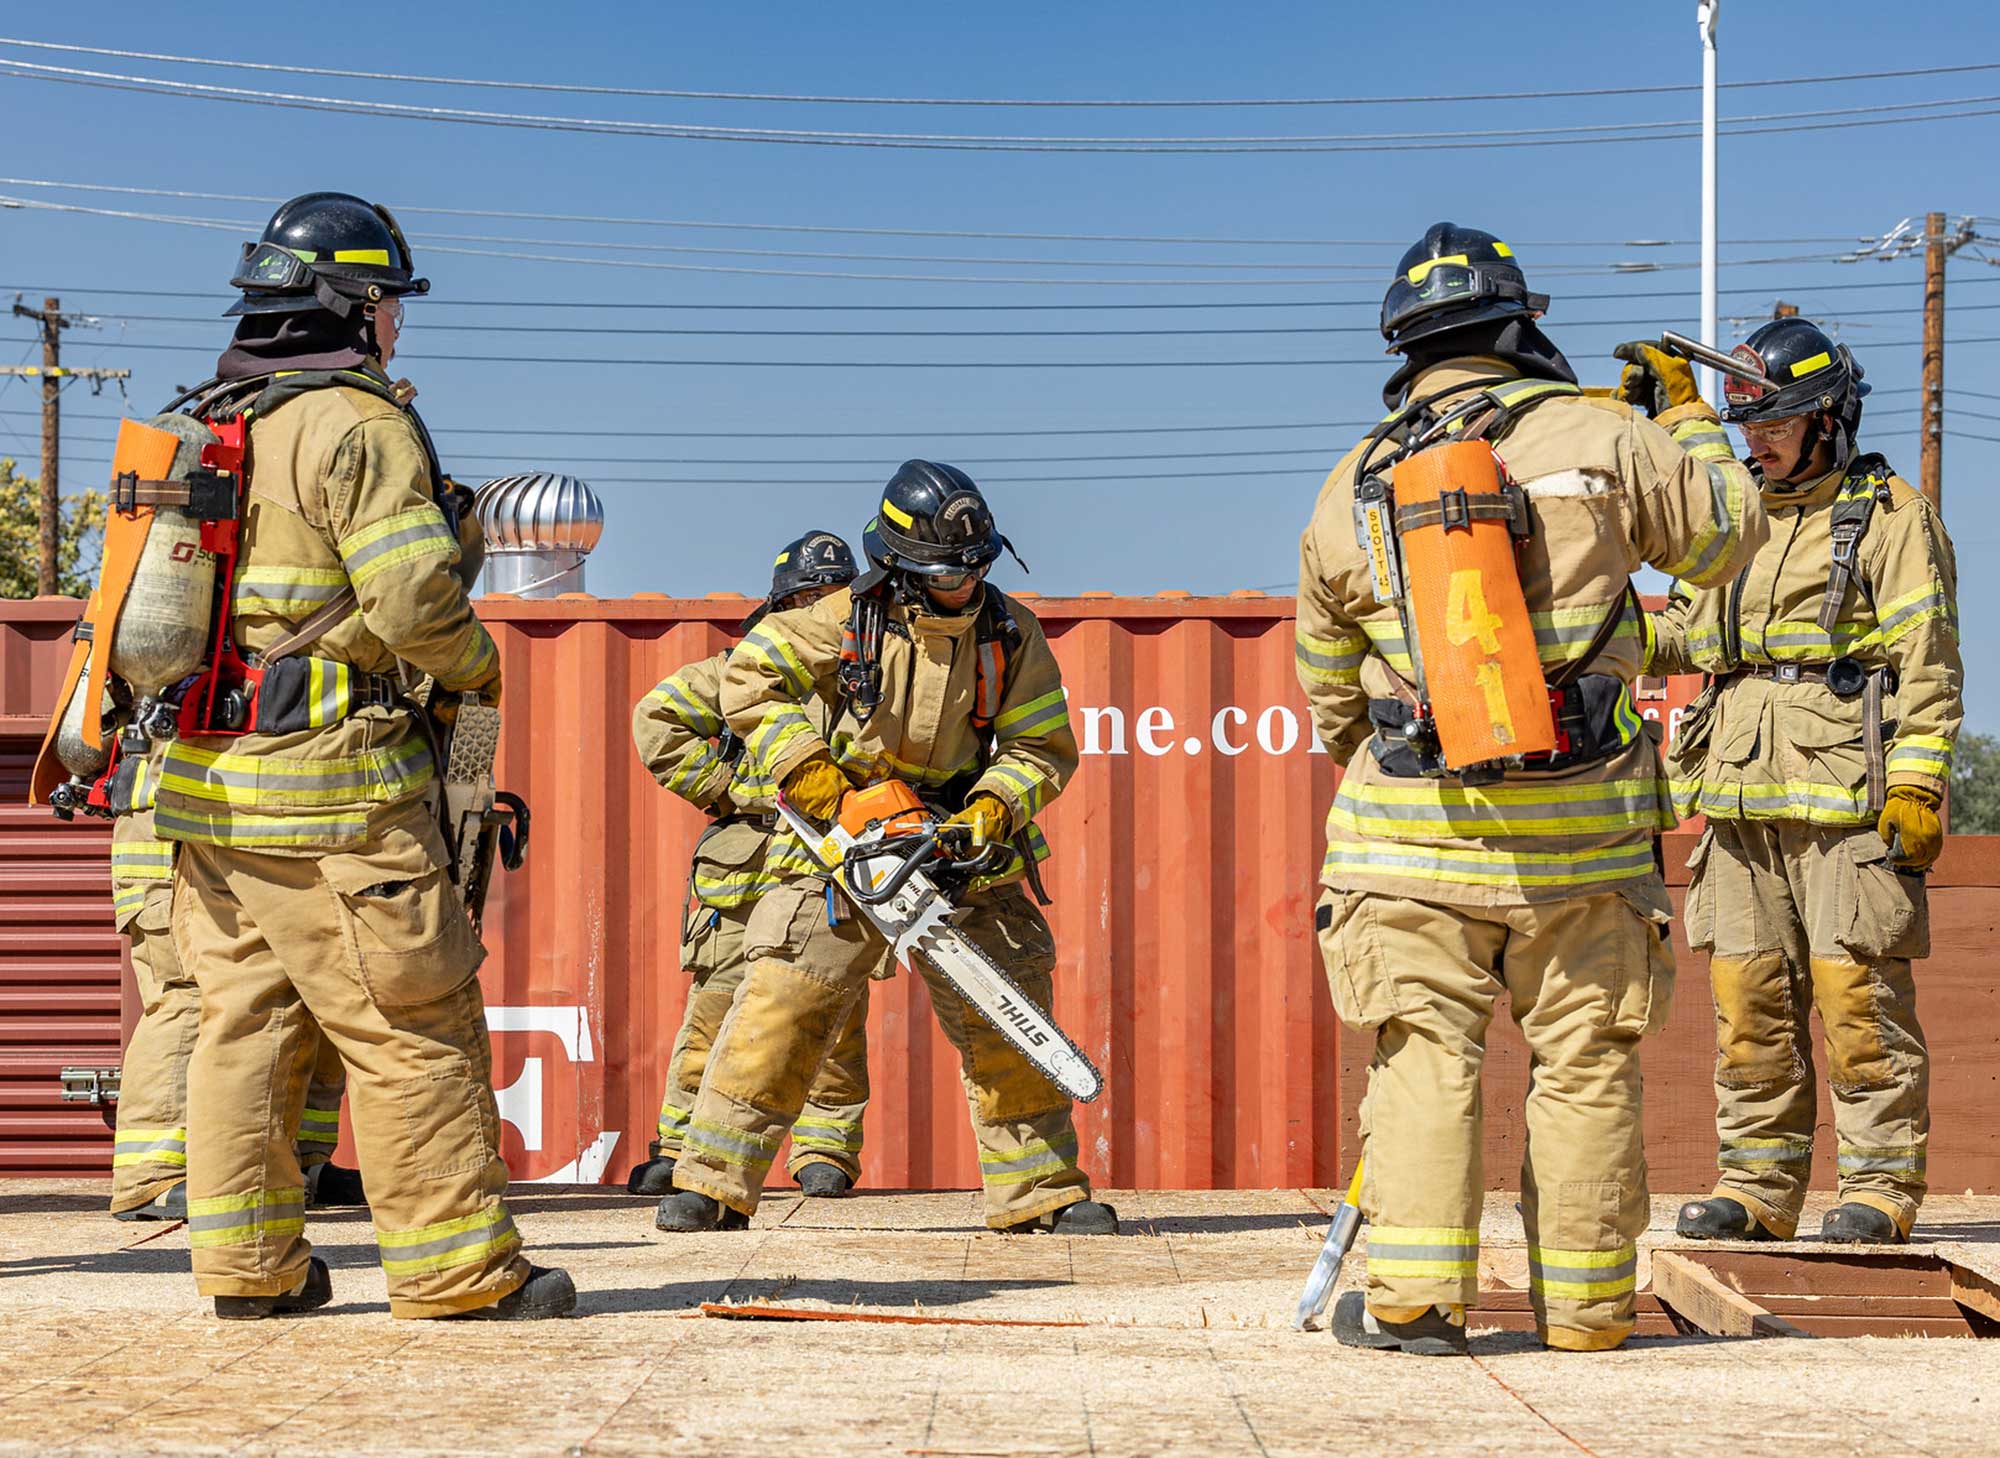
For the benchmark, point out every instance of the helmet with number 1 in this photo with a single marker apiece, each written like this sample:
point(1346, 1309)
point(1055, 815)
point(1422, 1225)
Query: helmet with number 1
point(933, 522)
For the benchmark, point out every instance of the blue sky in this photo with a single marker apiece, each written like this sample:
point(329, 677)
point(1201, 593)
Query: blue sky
point(678, 525)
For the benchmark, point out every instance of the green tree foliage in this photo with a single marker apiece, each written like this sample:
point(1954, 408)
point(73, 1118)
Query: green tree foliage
point(78, 537)
point(1975, 785)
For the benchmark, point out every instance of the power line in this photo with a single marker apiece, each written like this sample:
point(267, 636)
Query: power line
point(429, 327)
point(826, 228)
point(1359, 301)
point(659, 93)
point(1675, 130)
point(226, 225)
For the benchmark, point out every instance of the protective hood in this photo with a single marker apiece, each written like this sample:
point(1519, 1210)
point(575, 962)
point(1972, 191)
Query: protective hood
point(309, 340)
point(1519, 341)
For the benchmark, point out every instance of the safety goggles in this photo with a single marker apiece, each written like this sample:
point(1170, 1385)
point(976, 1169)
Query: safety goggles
point(391, 309)
point(1768, 429)
point(952, 581)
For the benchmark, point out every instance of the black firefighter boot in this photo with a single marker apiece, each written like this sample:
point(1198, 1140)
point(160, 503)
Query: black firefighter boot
point(170, 1204)
point(1857, 1224)
point(820, 1180)
point(1085, 1217)
point(312, 1292)
point(330, 1186)
point(547, 1293)
point(1719, 1218)
point(689, 1211)
point(1438, 1332)
point(654, 1177)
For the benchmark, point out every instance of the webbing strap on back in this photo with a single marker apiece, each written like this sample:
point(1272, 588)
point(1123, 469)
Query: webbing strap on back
point(1865, 485)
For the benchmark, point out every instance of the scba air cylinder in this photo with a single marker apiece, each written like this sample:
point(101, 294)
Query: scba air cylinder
point(76, 754)
point(163, 626)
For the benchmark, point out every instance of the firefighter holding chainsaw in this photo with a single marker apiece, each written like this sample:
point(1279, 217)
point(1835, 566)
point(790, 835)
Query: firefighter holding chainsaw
point(943, 697)
point(686, 747)
point(1819, 753)
point(1467, 635)
point(312, 885)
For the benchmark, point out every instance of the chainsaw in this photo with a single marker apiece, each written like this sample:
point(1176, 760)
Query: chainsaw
point(897, 863)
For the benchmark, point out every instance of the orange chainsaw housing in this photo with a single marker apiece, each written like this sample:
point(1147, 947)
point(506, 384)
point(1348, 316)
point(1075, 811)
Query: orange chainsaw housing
point(892, 803)
point(1475, 646)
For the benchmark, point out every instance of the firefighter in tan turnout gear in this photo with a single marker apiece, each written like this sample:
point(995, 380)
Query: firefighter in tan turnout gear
point(1819, 754)
point(312, 883)
point(1467, 636)
point(686, 747)
point(947, 685)
point(149, 1154)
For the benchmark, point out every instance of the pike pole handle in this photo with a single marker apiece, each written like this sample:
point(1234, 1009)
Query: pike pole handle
point(1715, 359)
point(1339, 1241)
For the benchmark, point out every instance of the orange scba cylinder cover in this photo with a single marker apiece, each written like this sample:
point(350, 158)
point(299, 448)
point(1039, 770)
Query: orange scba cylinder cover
point(893, 803)
point(1481, 672)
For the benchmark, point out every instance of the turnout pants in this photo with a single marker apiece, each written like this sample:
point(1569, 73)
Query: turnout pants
point(373, 946)
point(1798, 917)
point(803, 983)
point(1585, 978)
point(150, 1153)
point(828, 1130)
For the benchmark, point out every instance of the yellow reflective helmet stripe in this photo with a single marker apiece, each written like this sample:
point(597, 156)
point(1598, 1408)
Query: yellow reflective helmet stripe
point(1423, 271)
point(379, 256)
point(896, 514)
point(1812, 366)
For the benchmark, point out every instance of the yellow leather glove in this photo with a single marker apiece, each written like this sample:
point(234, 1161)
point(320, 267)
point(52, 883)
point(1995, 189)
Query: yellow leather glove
point(1910, 827)
point(1654, 380)
point(816, 788)
point(988, 817)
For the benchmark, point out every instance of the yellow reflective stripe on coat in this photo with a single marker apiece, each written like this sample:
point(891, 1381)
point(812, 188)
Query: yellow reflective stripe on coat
point(266, 832)
point(686, 707)
point(474, 660)
point(448, 1243)
point(1924, 754)
point(880, 764)
point(1818, 802)
point(395, 541)
point(253, 779)
point(766, 645)
point(246, 1219)
point(1708, 556)
point(1583, 1275)
point(1027, 786)
point(1348, 859)
point(781, 724)
point(1432, 809)
point(1329, 660)
point(150, 1146)
point(738, 888)
point(266, 590)
point(1445, 1252)
point(142, 860)
point(1037, 717)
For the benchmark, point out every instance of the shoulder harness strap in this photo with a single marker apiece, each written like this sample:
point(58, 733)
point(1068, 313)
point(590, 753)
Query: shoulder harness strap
point(998, 635)
point(1865, 486)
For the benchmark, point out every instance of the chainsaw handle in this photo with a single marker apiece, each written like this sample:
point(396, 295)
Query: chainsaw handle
point(911, 853)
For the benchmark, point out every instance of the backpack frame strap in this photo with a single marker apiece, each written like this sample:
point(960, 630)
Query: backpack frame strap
point(1865, 486)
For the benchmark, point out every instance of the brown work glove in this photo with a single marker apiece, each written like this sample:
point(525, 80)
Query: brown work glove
point(987, 817)
point(816, 788)
point(1910, 827)
point(1654, 380)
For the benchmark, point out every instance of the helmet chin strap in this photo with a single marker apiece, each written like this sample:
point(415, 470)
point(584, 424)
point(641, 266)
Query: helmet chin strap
point(1802, 469)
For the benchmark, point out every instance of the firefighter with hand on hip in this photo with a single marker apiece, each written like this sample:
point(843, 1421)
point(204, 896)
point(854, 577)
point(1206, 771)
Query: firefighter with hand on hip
point(1819, 754)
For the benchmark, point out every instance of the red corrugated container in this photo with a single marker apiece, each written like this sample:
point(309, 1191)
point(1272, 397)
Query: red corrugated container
point(1186, 856)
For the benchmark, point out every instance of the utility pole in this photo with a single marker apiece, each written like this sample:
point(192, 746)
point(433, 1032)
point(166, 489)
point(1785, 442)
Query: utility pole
point(52, 322)
point(1931, 440)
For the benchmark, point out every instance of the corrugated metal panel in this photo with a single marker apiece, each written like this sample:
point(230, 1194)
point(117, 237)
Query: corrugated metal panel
point(60, 973)
point(1186, 854)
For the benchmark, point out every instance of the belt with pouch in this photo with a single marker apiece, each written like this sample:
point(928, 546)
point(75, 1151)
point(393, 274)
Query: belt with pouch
point(1846, 678)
